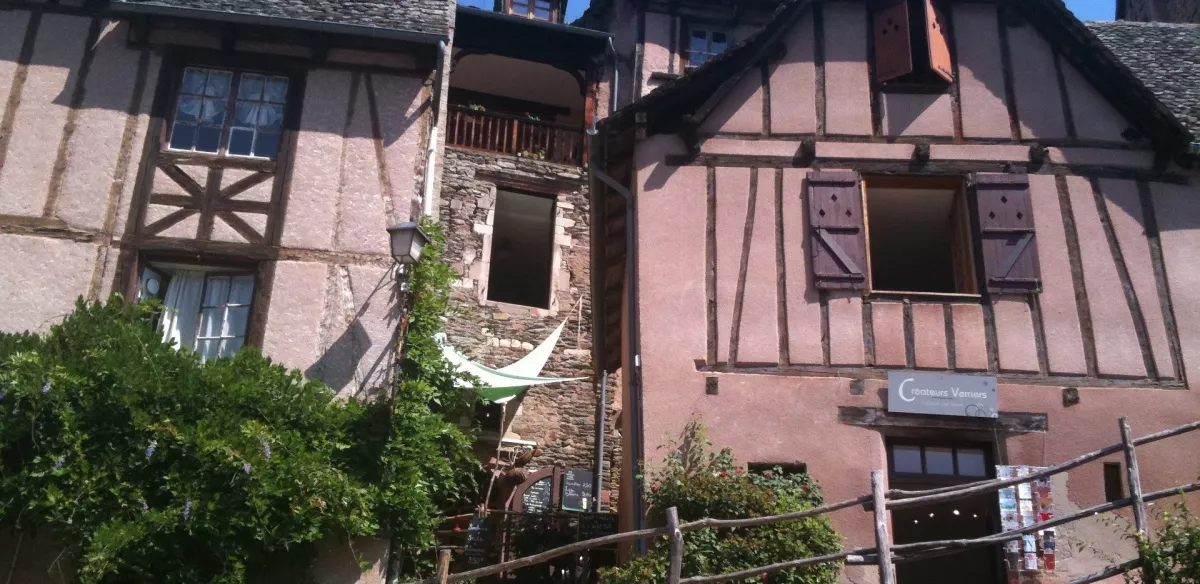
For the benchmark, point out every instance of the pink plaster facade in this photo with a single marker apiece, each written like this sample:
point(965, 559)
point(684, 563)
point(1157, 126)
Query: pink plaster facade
point(788, 356)
point(68, 188)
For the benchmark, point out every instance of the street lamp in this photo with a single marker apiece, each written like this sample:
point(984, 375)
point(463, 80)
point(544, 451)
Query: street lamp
point(408, 241)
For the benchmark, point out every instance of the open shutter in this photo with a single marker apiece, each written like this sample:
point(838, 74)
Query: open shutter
point(893, 44)
point(939, 47)
point(835, 216)
point(1006, 237)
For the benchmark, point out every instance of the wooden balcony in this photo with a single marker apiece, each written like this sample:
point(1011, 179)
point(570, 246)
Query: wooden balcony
point(515, 135)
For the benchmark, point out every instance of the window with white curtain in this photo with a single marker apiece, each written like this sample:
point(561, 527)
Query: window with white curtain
point(206, 310)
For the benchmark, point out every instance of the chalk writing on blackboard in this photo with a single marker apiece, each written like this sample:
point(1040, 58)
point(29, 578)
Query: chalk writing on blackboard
point(537, 497)
point(593, 525)
point(577, 490)
point(479, 541)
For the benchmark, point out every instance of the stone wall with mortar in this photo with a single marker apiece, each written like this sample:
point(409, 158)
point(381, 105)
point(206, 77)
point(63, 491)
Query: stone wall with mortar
point(559, 417)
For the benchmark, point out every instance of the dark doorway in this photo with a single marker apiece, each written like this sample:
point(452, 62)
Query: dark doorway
point(915, 466)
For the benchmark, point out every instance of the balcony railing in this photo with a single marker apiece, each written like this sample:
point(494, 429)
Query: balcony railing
point(515, 135)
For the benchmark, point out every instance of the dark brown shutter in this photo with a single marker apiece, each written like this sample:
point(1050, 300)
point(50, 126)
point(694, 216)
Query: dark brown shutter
point(1006, 238)
point(893, 44)
point(835, 216)
point(939, 47)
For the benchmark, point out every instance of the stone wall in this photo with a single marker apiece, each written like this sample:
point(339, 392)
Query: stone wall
point(559, 417)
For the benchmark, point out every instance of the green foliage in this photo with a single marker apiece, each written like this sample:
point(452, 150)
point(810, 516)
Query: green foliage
point(1173, 557)
point(700, 484)
point(154, 467)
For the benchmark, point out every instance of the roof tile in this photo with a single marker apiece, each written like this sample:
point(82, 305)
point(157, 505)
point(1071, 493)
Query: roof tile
point(426, 16)
point(1165, 57)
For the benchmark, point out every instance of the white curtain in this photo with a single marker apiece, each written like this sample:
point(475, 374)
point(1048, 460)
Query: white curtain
point(181, 308)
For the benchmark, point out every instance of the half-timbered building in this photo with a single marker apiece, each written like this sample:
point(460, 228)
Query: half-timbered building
point(857, 190)
point(241, 161)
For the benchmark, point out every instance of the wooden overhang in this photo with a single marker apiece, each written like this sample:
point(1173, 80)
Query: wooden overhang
point(563, 46)
point(681, 105)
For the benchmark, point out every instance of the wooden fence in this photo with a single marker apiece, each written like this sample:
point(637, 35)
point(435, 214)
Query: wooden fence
point(515, 135)
point(880, 501)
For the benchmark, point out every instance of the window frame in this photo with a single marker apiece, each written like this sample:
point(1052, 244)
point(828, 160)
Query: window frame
point(924, 477)
point(685, 41)
point(262, 271)
point(555, 253)
point(238, 70)
point(964, 211)
point(531, 10)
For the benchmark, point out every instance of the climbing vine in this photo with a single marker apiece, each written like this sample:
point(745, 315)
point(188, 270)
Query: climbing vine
point(151, 466)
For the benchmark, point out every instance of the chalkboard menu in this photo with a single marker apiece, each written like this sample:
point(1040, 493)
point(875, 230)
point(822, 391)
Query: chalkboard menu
point(577, 490)
point(593, 525)
point(537, 497)
point(479, 542)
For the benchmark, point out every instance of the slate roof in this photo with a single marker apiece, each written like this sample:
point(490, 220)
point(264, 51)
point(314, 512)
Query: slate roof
point(1165, 57)
point(432, 17)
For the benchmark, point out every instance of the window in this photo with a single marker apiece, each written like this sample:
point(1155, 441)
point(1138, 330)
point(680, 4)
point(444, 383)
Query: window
point(522, 249)
point(229, 112)
point(922, 235)
point(1114, 485)
point(204, 309)
point(539, 9)
point(910, 43)
point(945, 461)
point(784, 468)
point(919, 236)
point(704, 43)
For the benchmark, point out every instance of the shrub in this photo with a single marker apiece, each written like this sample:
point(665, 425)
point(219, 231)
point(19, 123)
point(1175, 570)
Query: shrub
point(154, 467)
point(1173, 556)
point(703, 484)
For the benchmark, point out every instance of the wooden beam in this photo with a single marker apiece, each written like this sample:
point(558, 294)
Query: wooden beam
point(1135, 494)
point(675, 558)
point(1011, 422)
point(883, 542)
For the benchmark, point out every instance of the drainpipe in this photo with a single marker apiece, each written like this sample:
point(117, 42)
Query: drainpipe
point(634, 357)
point(601, 421)
point(434, 128)
point(392, 572)
point(615, 63)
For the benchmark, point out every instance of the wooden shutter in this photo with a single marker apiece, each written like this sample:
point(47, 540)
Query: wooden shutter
point(1006, 235)
point(893, 44)
point(939, 47)
point(835, 216)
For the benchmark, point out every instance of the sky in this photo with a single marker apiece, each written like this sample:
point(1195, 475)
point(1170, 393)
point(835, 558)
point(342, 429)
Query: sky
point(1084, 9)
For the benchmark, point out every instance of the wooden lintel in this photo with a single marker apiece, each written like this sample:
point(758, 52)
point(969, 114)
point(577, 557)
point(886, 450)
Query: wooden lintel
point(1012, 422)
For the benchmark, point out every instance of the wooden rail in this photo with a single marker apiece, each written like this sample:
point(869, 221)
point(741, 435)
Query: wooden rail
point(515, 135)
point(880, 501)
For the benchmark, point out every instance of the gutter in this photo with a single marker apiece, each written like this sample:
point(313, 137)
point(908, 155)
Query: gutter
point(424, 38)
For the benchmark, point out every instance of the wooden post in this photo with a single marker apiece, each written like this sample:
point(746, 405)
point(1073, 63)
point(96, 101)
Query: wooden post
point(443, 566)
point(887, 572)
point(675, 567)
point(1135, 492)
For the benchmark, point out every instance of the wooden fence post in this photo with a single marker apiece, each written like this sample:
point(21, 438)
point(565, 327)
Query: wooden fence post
point(1135, 492)
point(883, 545)
point(443, 566)
point(675, 567)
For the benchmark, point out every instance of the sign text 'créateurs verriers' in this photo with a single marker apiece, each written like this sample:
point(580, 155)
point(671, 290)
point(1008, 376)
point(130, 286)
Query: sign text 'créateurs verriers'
point(971, 396)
